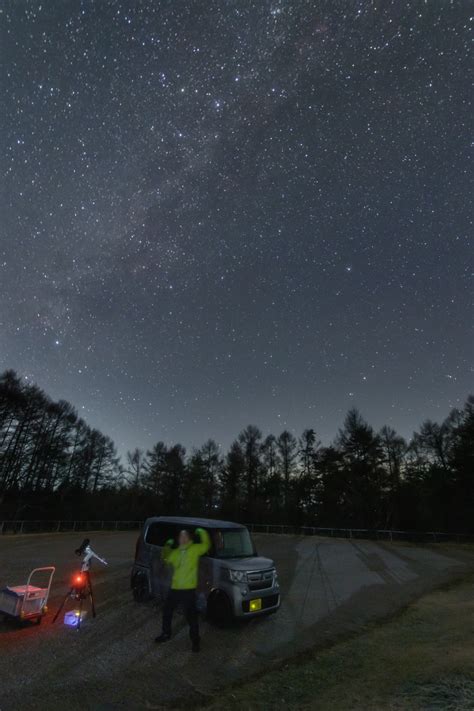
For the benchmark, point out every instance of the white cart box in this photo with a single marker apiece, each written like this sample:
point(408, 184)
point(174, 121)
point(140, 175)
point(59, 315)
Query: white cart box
point(27, 601)
point(31, 598)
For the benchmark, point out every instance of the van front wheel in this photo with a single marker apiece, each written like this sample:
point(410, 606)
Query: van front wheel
point(140, 589)
point(219, 610)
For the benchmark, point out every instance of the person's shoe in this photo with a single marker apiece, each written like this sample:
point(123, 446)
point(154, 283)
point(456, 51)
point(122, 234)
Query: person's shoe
point(196, 646)
point(162, 638)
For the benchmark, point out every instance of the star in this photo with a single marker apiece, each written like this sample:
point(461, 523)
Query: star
point(237, 210)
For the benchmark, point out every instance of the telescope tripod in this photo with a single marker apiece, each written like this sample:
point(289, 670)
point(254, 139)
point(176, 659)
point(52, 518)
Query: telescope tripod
point(80, 590)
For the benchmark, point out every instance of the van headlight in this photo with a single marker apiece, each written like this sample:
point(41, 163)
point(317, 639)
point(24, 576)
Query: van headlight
point(238, 576)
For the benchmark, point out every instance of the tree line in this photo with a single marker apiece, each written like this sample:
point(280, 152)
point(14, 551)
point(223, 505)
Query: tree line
point(53, 465)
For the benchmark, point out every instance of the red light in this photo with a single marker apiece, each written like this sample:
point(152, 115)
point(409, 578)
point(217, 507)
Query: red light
point(79, 579)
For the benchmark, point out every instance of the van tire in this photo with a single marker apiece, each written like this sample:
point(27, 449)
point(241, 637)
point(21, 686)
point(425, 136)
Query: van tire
point(140, 588)
point(219, 610)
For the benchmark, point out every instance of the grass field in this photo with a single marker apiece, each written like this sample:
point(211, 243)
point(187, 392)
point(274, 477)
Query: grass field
point(423, 659)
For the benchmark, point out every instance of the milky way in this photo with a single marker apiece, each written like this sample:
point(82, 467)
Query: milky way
point(216, 213)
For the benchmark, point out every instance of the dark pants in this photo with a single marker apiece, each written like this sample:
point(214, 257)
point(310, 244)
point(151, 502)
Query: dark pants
point(187, 600)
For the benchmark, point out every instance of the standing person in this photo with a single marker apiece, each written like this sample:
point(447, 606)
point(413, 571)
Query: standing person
point(185, 563)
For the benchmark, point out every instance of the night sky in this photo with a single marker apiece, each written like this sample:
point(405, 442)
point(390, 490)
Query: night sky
point(223, 213)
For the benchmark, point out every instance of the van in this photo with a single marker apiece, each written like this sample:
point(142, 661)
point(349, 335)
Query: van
point(234, 581)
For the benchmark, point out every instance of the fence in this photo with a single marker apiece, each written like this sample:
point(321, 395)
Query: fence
point(366, 533)
point(26, 526)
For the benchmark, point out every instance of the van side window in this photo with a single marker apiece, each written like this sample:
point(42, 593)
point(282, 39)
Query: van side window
point(158, 533)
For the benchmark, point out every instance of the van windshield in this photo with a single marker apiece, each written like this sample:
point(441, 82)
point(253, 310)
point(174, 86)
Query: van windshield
point(233, 543)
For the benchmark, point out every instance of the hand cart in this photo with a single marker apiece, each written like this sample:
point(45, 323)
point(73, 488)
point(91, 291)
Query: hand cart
point(27, 602)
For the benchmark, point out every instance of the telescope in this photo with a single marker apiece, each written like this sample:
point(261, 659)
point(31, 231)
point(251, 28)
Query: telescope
point(81, 583)
point(88, 555)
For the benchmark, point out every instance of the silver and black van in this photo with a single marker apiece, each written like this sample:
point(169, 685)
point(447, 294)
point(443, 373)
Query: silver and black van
point(234, 581)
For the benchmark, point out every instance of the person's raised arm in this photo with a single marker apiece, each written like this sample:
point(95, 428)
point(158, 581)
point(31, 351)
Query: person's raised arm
point(204, 541)
point(167, 550)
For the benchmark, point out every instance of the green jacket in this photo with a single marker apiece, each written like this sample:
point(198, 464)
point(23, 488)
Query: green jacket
point(185, 561)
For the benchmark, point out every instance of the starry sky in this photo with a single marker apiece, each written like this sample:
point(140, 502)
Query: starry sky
point(216, 213)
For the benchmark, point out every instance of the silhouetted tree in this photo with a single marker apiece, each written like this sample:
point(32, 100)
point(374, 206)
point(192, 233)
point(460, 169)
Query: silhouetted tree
point(335, 508)
point(135, 468)
point(361, 452)
point(53, 464)
point(232, 481)
point(250, 441)
point(271, 489)
point(461, 462)
point(287, 450)
point(212, 463)
point(195, 486)
point(393, 452)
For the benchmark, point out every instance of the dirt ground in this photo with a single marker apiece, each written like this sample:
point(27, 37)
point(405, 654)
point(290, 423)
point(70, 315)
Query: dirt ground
point(330, 589)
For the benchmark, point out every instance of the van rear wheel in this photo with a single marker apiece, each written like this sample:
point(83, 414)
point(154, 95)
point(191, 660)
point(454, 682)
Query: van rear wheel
point(219, 610)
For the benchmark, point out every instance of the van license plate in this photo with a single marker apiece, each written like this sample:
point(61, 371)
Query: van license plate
point(255, 605)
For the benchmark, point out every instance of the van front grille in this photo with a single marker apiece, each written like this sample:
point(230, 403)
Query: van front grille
point(260, 580)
